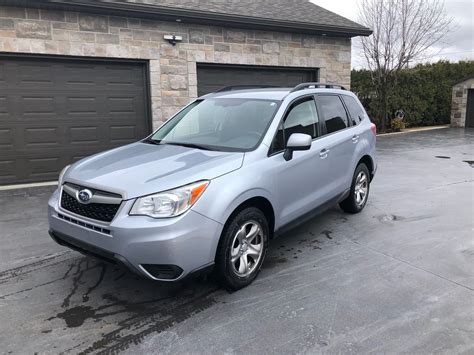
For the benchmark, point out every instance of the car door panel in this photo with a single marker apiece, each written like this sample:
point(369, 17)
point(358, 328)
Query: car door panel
point(298, 181)
point(340, 139)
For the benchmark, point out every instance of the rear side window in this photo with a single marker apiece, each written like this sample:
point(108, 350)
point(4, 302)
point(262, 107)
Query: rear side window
point(301, 117)
point(355, 110)
point(333, 112)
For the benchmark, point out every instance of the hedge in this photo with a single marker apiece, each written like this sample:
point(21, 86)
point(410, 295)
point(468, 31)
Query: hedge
point(423, 92)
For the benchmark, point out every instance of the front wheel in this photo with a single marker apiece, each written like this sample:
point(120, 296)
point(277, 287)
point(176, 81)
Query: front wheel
point(242, 248)
point(359, 192)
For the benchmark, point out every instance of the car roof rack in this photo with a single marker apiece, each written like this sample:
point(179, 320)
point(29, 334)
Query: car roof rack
point(245, 87)
point(317, 86)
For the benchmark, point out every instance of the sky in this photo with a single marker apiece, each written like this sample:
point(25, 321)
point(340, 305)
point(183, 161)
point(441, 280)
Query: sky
point(457, 46)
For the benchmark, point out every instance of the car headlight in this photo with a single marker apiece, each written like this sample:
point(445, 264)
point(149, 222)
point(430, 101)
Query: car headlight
point(169, 203)
point(61, 174)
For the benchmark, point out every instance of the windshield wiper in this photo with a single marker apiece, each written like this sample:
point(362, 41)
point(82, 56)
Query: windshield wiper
point(151, 141)
point(182, 144)
point(190, 145)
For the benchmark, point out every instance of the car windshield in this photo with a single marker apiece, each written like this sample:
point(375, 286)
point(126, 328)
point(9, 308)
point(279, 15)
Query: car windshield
point(228, 124)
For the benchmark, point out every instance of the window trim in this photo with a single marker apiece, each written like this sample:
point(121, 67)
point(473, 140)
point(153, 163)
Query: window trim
point(283, 117)
point(325, 132)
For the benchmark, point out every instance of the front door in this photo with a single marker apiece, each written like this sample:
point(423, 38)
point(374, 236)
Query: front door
point(299, 182)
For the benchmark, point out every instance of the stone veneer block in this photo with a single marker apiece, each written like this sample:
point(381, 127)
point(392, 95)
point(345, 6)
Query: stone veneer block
point(33, 29)
point(93, 23)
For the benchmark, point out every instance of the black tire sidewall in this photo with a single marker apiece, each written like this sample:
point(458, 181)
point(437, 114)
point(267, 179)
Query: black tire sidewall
point(224, 270)
point(349, 204)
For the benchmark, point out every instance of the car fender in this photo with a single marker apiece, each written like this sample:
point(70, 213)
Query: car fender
point(226, 193)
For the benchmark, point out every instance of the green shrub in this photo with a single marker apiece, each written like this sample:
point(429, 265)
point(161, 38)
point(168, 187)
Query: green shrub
point(397, 125)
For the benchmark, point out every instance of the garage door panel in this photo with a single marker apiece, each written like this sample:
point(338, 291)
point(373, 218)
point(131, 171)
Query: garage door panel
point(121, 106)
point(3, 106)
point(3, 79)
point(7, 170)
point(84, 135)
point(123, 76)
point(34, 75)
point(120, 134)
point(36, 138)
point(38, 105)
point(6, 138)
point(42, 167)
point(214, 77)
point(55, 112)
point(85, 105)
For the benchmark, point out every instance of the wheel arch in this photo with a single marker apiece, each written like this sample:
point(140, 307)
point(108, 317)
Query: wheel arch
point(368, 161)
point(260, 202)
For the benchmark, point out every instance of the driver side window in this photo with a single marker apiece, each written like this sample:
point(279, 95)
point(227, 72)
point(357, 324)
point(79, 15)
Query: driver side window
point(301, 117)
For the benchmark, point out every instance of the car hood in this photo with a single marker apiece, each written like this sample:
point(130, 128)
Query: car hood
point(140, 169)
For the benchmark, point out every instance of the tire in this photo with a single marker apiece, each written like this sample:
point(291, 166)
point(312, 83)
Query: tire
point(354, 203)
point(240, 238)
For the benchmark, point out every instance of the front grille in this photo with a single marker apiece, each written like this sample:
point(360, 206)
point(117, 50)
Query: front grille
point(99, 211)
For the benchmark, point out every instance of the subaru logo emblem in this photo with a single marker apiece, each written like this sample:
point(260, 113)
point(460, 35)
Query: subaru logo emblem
point(84, 196)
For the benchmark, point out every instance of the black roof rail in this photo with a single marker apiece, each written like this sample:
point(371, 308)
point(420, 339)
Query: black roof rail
point(316, 86)
point(245, 87)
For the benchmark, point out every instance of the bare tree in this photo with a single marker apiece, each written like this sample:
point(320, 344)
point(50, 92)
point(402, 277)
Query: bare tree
point(404, 31)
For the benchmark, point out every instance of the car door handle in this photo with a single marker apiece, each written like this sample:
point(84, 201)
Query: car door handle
point(323, 154)
point(355, 139)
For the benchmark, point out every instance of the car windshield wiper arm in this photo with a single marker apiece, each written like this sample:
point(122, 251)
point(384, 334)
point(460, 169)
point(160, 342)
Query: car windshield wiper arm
point(183, 144)
point(151, 141)
point(190, 145)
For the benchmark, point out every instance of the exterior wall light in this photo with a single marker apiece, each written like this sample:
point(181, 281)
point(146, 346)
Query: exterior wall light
point(172, 39)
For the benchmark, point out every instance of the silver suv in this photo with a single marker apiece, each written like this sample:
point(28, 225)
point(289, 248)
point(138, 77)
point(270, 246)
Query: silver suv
point(219, 180)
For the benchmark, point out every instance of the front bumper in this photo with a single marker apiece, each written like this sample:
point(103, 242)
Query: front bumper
point(159, 249)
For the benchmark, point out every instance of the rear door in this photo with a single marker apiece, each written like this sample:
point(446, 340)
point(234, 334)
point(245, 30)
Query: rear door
point(338, 143)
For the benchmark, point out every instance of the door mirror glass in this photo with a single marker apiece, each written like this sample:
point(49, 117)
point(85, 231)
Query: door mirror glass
point(297, 141)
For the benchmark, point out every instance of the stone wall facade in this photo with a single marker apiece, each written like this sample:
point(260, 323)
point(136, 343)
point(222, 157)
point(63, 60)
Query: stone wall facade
point(459, 102)
point(173, 77)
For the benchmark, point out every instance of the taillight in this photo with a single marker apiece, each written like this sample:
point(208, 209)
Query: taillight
point(373, 128)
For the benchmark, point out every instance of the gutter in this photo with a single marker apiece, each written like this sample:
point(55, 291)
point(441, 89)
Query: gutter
point(191, 16)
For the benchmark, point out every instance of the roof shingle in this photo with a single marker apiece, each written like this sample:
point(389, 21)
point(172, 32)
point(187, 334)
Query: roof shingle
point(281, 15)
point(302, 11)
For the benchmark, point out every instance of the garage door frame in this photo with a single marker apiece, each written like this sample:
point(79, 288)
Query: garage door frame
point(145, 64)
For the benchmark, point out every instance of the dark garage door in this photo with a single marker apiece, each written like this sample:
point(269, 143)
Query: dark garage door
point(54, 112)
point(211, 78)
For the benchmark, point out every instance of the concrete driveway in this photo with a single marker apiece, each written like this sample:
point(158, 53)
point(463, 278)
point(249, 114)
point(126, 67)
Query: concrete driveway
point(398, 277)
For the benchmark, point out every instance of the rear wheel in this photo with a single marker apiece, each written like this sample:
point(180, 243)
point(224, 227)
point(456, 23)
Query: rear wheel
point(359, 192)
point(242, 248)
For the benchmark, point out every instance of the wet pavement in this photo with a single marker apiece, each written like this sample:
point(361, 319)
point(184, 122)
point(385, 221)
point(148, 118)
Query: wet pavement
point(399, 277)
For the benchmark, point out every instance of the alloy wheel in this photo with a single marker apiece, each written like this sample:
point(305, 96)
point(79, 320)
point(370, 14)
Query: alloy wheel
point(361, 188)
point(247, 248)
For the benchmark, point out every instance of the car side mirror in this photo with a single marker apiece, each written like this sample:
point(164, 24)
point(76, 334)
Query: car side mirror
point(297, 141)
